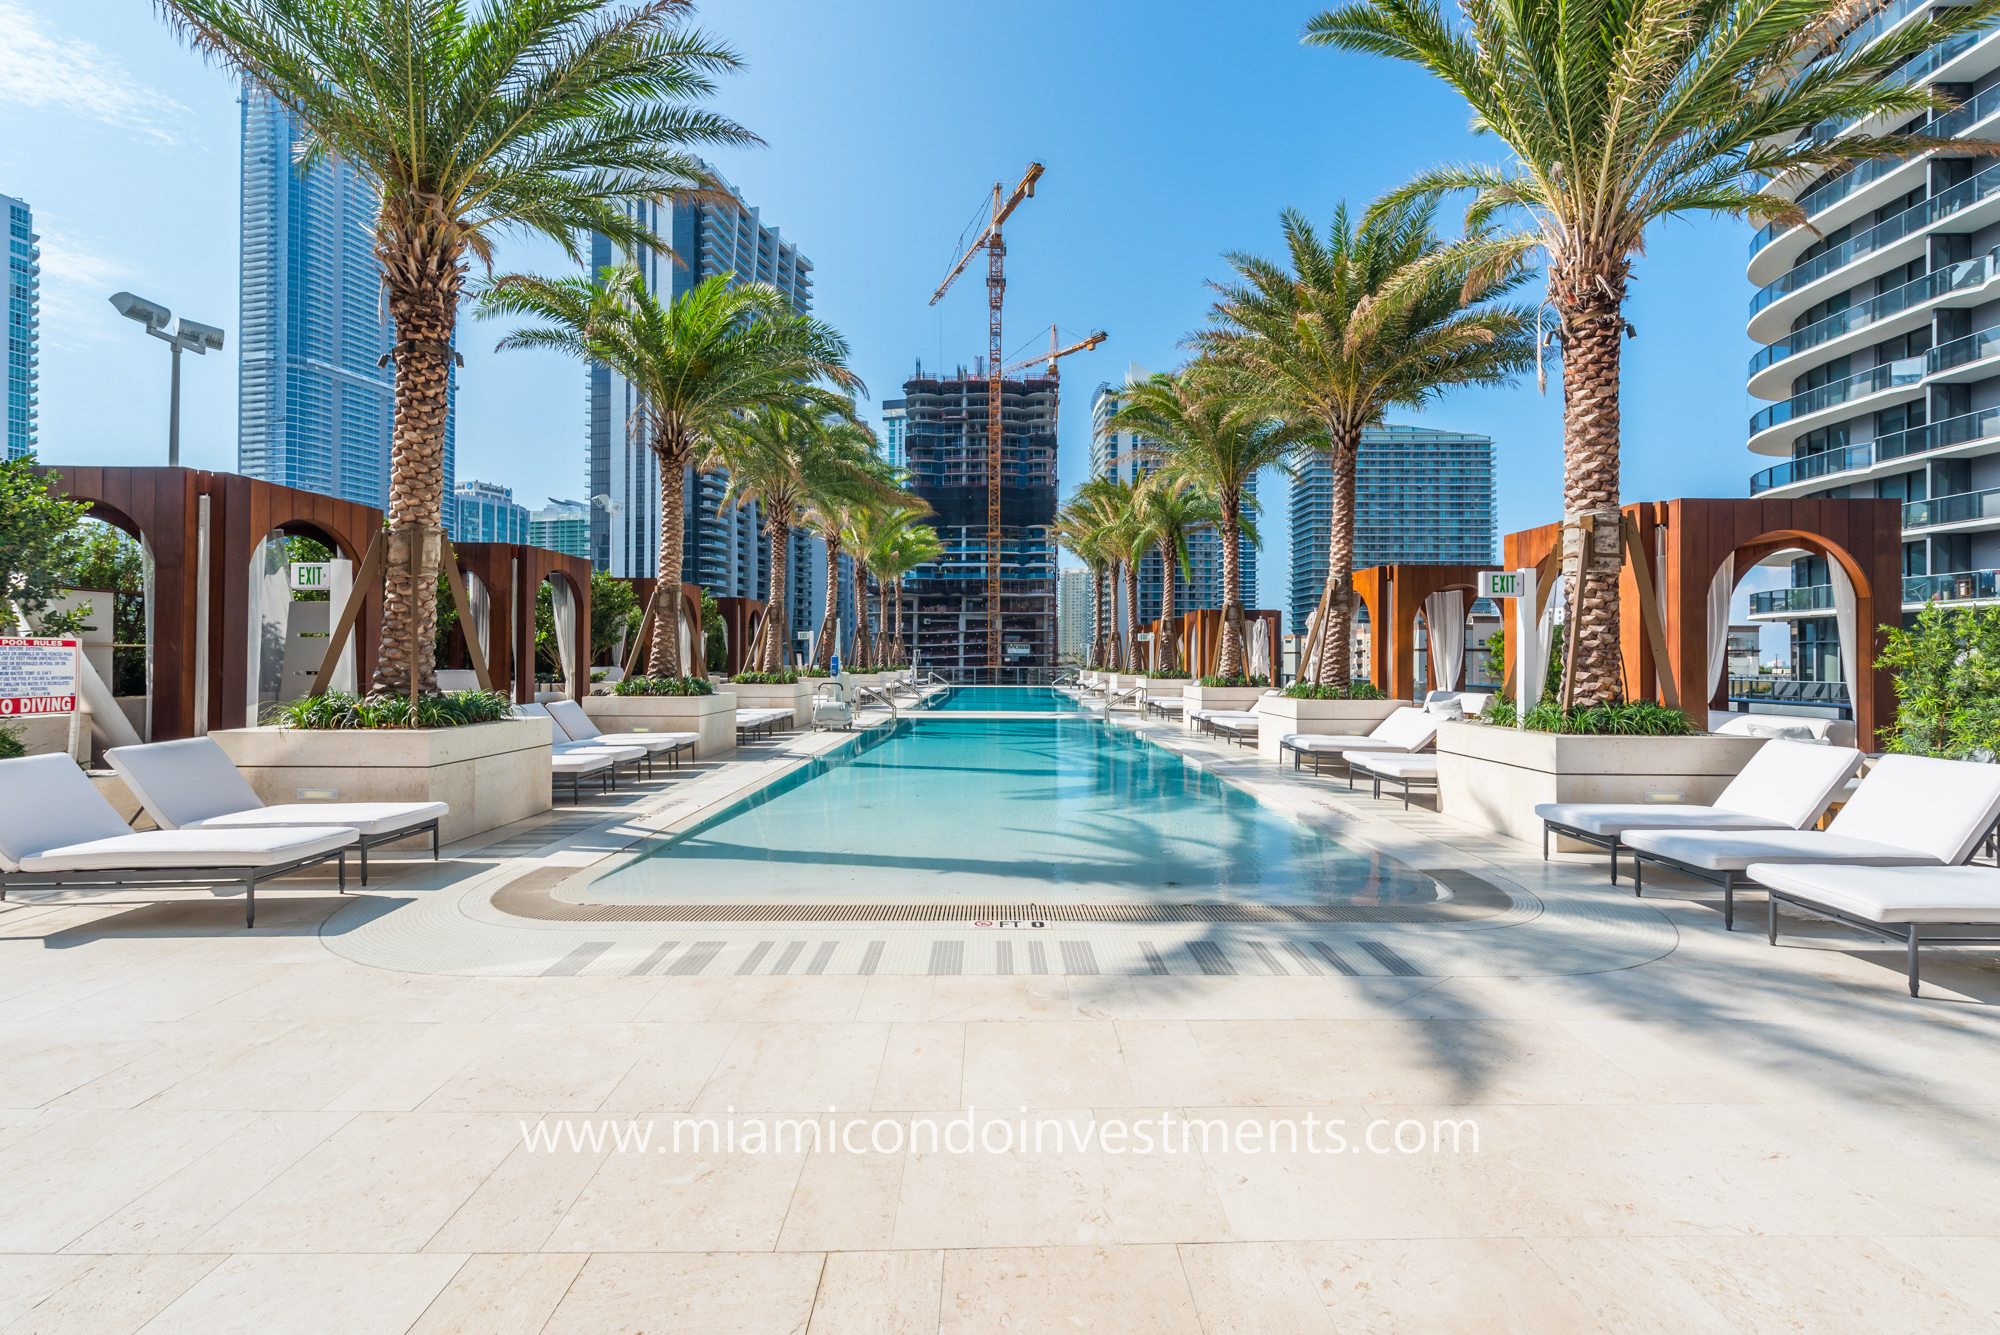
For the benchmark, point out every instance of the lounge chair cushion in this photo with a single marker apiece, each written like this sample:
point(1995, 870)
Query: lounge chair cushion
point(1892, 894)
point(751, 718)
point(1395, 764)
point(1734, 850)
point(1335, 744)
point(46, 803)
point(1941, 808)
point(656, 742)
point(1789, 783)
point(1615, 818)
point(581, 761)
point(169, 850)
point(617, 755)
point(370, 818)
point(186, 782)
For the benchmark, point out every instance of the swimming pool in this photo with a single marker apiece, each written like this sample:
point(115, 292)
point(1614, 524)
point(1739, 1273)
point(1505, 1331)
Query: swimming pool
point(1008, 699)
point(1042, 810)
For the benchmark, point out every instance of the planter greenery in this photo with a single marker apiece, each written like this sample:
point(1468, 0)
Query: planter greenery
point(1947, 670)
point(10, 746)
point(1625, 718)
point(1358, 689)
point(664, 686)
point(1221, 681)
point(337, 711)
point(786, 677)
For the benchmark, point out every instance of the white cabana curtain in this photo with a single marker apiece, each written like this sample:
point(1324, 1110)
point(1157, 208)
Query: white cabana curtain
point(339, 586)
point(1444, 623)
point(269, 625)
point(1260, 648)
point(479, 602)
point(562, 611)
point(1719, 590)
point(1846, 616)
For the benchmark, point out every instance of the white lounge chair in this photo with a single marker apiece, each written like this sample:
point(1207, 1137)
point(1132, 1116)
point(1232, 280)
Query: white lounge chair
point(581, 763)
point(192, 784)
point(575, 724)
point(1408, 769)
point(762, 722)
point(615, 755)
point(1785, 786)
point(58, 832)
point(1896, 902)
point(1408, 729)
point(1907, 811)
point(1234, 725)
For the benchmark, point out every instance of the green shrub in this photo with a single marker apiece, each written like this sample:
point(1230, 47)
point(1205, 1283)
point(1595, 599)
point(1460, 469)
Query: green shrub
point(1259, 680)
point(10, 745)
point(664, 686)
point(1358, 689)
point(783, 678)
point(1171, 673)
point(1947, 670)
point(1626, 718)
point(334, 711)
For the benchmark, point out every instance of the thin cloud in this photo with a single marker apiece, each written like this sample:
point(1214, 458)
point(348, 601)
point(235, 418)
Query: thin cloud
point(43, 70)
point(76, 284)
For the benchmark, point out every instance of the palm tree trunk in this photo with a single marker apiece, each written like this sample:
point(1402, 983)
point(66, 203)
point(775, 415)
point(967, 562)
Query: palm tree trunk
point(777, 619)
point(896, 634)
point(1591, 303)
point(1167, 656)
point(829, 617)
point(424, 274)
point(1229, 659)
point(1132, 613)
point(663, 655)
point(1100, 613)
point(1336, 642)
point(860, 616)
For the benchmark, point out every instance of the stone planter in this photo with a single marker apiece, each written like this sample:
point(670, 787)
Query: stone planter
point(1493, 777)
point(796, 697)
point(1282, 717)
point(711, 717)
point(1166, 685)
point(491, 774)
point(1222, 697)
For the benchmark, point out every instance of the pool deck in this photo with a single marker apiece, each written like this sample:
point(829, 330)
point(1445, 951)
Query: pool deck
point(316, 1125)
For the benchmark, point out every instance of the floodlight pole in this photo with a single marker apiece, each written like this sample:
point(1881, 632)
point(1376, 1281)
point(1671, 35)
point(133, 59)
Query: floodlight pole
point(174, 409)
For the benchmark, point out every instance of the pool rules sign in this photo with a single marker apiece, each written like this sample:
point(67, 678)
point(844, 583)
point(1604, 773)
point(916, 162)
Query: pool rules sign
point(37, 676)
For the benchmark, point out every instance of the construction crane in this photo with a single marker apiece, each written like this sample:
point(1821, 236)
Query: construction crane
point(991, 241)
point(1056, 354)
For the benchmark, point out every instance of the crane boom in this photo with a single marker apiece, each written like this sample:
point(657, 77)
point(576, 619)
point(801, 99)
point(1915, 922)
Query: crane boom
point(996, 290)
point(1054, 353)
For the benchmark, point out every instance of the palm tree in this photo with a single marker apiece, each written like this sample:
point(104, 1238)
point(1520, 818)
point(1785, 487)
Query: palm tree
point(902, 546)
point(546, 116)
point(1205, 428)
point(1122, 542)
point(1168, 510)
point(833, 517)
point(1076, 527)
point(786, 457)
point(1374, 316)
point(1621, 114)
point(695, 363)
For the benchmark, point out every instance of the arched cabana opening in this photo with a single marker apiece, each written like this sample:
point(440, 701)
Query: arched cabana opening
point(299, 577)
point(108, 605)
point(1821, 606)
point(1418, 620)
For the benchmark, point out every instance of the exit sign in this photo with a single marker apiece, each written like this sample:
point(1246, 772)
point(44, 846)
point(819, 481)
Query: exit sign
point(309, 576)
point(1500, 583)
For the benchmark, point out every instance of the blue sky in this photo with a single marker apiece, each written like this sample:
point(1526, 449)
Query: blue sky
point(1171, 131)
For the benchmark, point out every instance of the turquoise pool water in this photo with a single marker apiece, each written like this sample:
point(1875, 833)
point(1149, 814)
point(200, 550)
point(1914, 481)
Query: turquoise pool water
point(1051, 809)
point(1011, 699)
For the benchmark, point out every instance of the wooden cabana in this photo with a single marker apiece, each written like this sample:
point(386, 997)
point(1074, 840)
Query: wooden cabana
point(1201, 639)
point(512, 575)
point(642, 593)
point(1685, 544)
point(1394, 596)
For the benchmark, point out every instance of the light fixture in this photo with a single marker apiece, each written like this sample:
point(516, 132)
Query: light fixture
point(188, 336)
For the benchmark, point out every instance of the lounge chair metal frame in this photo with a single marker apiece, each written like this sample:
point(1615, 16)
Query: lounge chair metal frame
point(1609, 842)
point(1909, 935)
point(1429, 781)
point(366, 842)
point(247, 877)
point(1729, 879)
point(763, 727)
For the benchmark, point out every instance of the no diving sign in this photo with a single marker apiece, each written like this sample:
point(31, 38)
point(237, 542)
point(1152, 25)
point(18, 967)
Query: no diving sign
point(37, 676)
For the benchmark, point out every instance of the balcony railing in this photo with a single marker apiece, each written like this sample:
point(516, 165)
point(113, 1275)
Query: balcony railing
point(1892, 229)
point(1823, 197)
point(1952, 278)
point(1964, 508)
point(1890, 375)
point(1896, 445)
point(1973, 347)
point(1965, 586)
point(1787, 691)
point(1911, 71)
point(1808, 598)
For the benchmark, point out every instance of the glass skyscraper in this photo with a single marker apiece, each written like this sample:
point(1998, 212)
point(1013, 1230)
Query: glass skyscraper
point(20, 334)
point(316, 398)
point(1420, 498)
point(488, 512)
point(561, 526)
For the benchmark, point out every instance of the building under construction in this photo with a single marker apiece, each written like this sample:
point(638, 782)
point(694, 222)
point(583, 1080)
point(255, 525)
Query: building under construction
point(945, 437)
